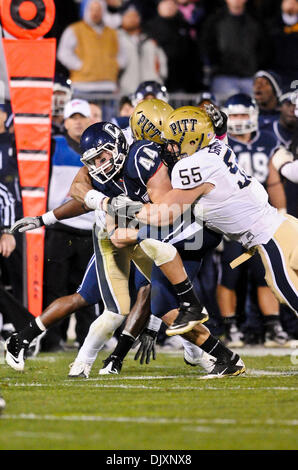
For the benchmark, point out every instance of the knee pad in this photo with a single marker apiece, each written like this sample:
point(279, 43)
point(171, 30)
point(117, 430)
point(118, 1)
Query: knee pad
point(294, 259)
point(159, 252)
point(107, 323)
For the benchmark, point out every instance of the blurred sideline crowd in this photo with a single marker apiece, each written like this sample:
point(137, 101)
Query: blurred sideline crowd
point(110, 55)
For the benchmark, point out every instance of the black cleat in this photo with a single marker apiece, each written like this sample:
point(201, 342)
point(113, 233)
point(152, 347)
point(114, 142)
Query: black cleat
point(226, 369)
point(275, 336)
point(111, 365)
point(16, 351)
point(187, 318)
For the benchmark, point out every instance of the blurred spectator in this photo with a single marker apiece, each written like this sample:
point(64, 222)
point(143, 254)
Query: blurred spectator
point(283, 32)
point(125, 111)
point(91, 52)
point(12, 272)
point(7, 219)
point(193, 12)
point(267, 91)
point(95, 113)
point(125, 106)
point(4, 86)
point(13, 314)
point(172, 33)
point(11, 310)
point(61, 95)
point(113, 12)
point(253, 150)
point(146, 60)
point(233, 47)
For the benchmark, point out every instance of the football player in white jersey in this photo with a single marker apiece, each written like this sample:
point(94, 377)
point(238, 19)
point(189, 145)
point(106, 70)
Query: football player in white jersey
point(253, 149)
point(206, 174)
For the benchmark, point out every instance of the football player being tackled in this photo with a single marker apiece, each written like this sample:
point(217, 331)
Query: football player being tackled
point(144, 174)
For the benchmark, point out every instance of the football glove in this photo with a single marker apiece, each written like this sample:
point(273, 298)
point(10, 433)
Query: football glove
point(146, 349)
point(123, 206)
point(27, 223)
point(218, 118)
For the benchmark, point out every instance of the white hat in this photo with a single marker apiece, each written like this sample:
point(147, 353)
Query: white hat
point(77, 106)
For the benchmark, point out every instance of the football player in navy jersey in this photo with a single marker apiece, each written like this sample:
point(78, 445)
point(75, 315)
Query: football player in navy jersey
point(285, 127)
point(253, 150)
point(111, 265)
point(267, 91)
point(285, 158)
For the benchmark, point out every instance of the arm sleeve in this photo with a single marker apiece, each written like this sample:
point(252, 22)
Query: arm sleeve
point(122, 55)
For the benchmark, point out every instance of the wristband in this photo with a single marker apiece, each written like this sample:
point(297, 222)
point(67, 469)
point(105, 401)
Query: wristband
point(49, 218)
point(94, 199)
point(154, 323)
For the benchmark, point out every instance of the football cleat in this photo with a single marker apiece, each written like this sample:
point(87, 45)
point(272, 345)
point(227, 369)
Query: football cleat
point(233, 337)
point(16, 352)
point(187, 318)
point(276, 337)
point(79, 369)
point(226, 369)
point(111, 365)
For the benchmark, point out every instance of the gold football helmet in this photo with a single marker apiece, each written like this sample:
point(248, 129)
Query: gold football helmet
point(147, 120)
point(190, 127)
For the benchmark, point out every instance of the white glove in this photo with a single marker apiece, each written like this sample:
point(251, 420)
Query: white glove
point(281, 156)
point(27, 223)
point(31, 223)
point(123, 206)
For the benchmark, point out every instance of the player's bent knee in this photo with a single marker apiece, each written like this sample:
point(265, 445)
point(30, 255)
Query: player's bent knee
point(107, 323)
point(159, 252)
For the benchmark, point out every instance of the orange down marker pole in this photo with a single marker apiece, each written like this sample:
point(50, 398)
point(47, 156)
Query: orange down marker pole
point(31, 68)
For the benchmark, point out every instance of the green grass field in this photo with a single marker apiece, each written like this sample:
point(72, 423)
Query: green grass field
point(164, 405)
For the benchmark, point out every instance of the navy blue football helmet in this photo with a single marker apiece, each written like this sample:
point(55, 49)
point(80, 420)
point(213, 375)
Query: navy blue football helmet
point(241, 104)
point(152, 89)
point(97, 138)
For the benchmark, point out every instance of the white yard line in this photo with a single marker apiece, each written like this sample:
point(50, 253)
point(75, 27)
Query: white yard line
point(146, 419)
point(83, 384)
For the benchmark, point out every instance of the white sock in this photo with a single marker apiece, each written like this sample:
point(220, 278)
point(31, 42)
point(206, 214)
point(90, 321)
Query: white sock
point(192, 349)
point(100, 331)
point(40, 324)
